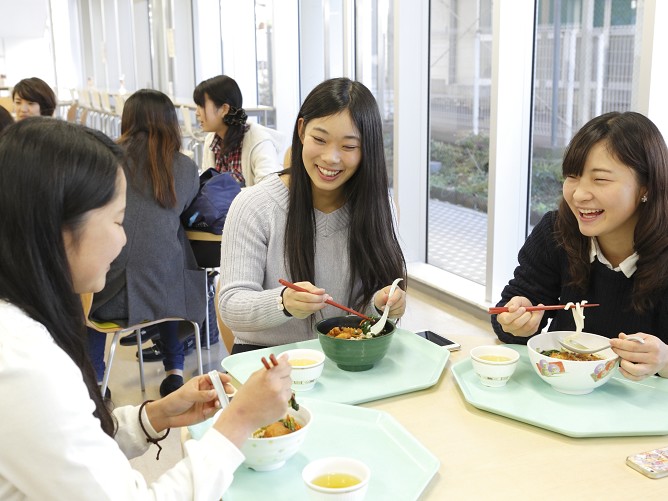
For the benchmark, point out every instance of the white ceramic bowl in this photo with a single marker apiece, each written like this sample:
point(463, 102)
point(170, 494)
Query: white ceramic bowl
point(571, 376)
point(265, 454)
point(333, 465)
point(307, 367)
point(494, 364)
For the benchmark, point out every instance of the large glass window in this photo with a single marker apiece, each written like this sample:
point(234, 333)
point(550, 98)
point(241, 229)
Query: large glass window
point(584, 66)
point(460, 78)
point(374, 56)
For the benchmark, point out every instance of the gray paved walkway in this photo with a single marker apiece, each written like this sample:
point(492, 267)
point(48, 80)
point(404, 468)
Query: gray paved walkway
point(457, 240)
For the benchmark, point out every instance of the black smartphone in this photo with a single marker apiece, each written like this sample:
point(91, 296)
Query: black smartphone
point(439, 340)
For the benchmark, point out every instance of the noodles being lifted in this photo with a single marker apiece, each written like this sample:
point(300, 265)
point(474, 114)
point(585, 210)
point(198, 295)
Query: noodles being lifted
point(578, 317)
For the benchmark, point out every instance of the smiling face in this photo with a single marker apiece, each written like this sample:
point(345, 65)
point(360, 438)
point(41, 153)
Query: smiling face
point(24, 108)
point(97, 243)
point(210, 116)
point(332, 154)
point(605, 200)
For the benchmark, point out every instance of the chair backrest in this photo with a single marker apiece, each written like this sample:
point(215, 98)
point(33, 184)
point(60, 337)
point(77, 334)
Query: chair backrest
point(119, 102)
point(225, 333)
point(86, 303)
point(7, 103)
point(104, 101)
point(72, 113)
point(187, 121)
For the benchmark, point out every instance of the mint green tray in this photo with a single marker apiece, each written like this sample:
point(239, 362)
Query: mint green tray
point(401, 467)
point(619, 408)
point(411, 363)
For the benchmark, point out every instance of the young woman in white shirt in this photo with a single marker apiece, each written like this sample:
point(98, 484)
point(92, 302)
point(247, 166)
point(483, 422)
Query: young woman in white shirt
point(62, 199)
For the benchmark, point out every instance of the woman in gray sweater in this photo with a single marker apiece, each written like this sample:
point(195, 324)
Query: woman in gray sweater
point(326, 223)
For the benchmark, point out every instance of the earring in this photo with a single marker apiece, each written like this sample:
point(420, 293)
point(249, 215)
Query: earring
point(644, 199)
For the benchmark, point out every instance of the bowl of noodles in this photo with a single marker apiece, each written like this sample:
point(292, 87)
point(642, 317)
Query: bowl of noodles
point(344, 341)
point(272, 445)
point(568, 372)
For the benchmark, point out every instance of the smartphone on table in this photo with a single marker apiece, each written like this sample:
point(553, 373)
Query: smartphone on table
point(438, 339)
point(652, 464)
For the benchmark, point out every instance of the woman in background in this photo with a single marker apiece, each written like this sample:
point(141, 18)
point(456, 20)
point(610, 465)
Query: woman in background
point(32, 98)
point(155, 276)
point(327, 220)
point(249, 151)
point(607, 244)
point(63, 186)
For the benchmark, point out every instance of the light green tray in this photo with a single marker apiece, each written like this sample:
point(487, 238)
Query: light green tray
point(619, 408)
point(401, 467)
point(411, 363)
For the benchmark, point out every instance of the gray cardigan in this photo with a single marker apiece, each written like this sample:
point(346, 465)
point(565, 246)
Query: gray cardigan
point(156, 275)
point(253, 259)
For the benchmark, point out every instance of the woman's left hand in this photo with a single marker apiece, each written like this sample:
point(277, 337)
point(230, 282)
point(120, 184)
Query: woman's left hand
point(194, 402)
point(396, 303)
point(641, 360)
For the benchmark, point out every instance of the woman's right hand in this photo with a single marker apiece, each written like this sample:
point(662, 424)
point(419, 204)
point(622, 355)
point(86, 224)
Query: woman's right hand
point(518, 321)
point(304, 304)
point(262, 400)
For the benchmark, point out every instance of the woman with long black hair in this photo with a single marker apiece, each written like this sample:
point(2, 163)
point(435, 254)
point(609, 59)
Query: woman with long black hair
point(62, 200)
point(327, 220)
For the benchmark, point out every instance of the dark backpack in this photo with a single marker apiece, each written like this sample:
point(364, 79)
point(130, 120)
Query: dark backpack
point(208, 210)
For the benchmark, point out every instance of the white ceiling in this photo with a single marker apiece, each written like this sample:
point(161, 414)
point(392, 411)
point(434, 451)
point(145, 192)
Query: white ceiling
point(23, 18)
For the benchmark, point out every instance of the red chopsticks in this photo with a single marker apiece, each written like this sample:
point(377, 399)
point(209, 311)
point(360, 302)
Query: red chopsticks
point(503, 309)
point(272, 357)
point(329, 301)
point(293, 403)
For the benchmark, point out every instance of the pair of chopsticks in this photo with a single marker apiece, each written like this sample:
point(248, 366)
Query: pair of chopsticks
point(293, 403)
point(329, 301)
point(504, 309)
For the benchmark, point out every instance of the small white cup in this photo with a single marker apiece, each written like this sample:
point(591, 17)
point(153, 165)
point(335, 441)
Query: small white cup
point(494, 364)
point(307, 367)
point(331, 466)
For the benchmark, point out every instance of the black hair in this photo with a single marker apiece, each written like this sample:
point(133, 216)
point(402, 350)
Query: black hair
point(37, 91)
point(52, 173)
point(6, 119)
point(375, 256)
point(225, 90)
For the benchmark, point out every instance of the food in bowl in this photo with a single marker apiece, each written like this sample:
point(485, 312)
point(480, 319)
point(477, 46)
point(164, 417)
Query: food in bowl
point(307, 365)
point(353, 354)
point(281, 427)
point(270, 453)
point(574, 377)
point(569, 355)
point(362, 331)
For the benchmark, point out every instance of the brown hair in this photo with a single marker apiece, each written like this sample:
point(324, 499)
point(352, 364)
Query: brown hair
point(151, 135)
point(636, 142)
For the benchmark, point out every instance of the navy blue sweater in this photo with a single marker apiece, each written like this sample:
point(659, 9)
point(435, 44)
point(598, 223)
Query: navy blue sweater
point(542, 275)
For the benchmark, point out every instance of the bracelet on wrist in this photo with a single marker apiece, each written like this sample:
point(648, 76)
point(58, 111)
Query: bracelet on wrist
point(280, 305)
point(149, 438)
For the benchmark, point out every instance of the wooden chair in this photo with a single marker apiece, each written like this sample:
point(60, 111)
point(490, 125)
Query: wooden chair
point(119, 330)
point(225, 332)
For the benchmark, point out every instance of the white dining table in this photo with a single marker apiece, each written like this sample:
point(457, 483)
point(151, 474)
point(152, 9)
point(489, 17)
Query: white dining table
point(487, 456)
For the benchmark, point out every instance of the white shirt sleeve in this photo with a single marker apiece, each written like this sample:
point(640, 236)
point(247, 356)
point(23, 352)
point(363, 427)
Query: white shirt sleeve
point(53, 446)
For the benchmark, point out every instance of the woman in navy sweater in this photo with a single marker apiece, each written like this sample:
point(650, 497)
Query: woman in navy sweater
point(607, 244)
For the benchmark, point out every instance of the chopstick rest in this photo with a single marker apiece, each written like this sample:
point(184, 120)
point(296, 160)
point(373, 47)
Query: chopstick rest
point(218, 386)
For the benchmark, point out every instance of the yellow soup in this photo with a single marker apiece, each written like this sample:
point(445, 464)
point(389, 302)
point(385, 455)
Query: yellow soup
point(495, 358)
point(336, 480)
point(300, 362)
